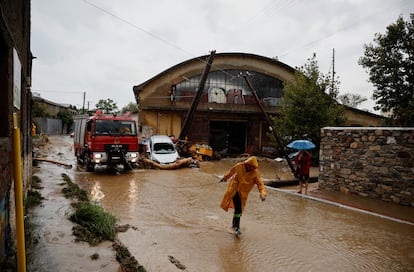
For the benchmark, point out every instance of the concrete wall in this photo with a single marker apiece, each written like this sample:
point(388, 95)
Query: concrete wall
point(371, 162)
point(48, 126)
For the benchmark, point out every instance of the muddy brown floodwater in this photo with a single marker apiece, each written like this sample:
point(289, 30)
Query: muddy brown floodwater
point(175, 214)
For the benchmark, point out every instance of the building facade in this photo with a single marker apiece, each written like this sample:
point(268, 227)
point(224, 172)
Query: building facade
point(15, 98)
point(228, 118)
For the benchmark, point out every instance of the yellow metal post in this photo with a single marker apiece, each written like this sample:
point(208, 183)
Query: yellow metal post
point(18, 191)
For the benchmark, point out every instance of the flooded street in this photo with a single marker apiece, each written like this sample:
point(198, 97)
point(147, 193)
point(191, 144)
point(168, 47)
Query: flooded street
point(176, 213)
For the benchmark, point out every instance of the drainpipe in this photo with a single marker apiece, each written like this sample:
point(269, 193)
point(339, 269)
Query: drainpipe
point(18, 192)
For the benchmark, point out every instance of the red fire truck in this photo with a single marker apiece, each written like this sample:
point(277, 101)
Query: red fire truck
point(104, 139)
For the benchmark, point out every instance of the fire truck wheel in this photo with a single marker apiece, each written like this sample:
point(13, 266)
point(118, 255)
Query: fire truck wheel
point(87, 164)
point(127, 167)
point(78, 159)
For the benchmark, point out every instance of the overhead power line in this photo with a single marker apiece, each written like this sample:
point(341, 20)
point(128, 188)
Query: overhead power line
point(151, 34)
point(137, 27)
point(349, 26)
point(55, 91)
point(272, 8)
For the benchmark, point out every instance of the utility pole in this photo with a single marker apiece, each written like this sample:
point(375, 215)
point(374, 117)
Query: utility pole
point(333, 69)
point(196, 99)
point(83, 107)
point(271, 128)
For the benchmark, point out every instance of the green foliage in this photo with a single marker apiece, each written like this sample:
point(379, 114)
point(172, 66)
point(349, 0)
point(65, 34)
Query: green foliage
point(390, 62)
point(67, 118)
point(94, 224)
point(107, 105)
point(351, 100)
point(97, 224)
point(40, 110)
point(35, 184)
point(72, 190)
point(309, 103)
point(131, 107)
point(33, 199)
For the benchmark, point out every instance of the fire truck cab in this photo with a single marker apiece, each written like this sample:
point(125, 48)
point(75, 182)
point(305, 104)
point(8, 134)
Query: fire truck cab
point(104, 139)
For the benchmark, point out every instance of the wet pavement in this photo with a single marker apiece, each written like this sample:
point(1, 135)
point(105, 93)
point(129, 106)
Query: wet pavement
point(55, 248)
point(175, 215)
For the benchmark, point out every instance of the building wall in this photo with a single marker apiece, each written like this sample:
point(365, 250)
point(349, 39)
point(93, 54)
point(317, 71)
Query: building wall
point(360, 118)
point(162, 122)
point(49, 126)
point(165, 115)
point(52, 108)
point(6, 174)
point(14, 37)
point(370, 162)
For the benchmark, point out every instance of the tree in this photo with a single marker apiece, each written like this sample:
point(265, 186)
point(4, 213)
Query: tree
point(131, 107)
point(107, 105)
point(390, 64)
point(40, 109)
point(67, 119)
point(351, 100)
point(309, 103)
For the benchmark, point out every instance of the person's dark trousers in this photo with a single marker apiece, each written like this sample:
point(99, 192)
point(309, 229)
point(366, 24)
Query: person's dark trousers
point(237, 211)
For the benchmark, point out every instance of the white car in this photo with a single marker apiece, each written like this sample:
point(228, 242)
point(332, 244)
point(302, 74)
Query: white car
point(161, 149)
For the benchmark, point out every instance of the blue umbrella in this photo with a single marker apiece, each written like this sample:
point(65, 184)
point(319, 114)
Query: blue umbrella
point(301, 145)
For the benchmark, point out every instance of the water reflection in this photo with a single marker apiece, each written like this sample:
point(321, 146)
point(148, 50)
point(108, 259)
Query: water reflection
point(117, 192)
point(96, 192)
point(177, 213)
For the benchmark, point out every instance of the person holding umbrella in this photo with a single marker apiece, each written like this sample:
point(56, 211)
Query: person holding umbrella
point(302, 161)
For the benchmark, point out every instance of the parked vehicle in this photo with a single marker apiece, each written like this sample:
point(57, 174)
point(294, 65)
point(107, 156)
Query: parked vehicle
point(106, 140)
point(161, 149)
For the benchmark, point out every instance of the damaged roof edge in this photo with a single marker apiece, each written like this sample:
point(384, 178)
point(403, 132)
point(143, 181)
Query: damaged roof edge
point(136, 88)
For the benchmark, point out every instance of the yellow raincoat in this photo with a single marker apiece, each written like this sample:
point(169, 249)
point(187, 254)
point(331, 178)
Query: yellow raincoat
point(242, 181)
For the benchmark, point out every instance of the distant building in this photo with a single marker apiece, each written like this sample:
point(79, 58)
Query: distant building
point(50, 123)
point(15, 98)
point(362, 118)
point(228, 117)
point(53, 108)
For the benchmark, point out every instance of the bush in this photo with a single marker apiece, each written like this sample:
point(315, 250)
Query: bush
point(95, 224)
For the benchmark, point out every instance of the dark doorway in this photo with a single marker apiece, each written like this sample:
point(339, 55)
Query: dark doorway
point(228, 137)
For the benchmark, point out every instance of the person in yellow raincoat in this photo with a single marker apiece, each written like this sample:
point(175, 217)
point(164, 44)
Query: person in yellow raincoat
point(243, 176)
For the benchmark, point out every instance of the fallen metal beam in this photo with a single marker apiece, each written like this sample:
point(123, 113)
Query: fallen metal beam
point(272, 129)
point(196, 100)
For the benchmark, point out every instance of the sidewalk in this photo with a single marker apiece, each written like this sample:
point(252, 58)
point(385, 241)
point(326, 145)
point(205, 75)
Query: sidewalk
point(403, 214)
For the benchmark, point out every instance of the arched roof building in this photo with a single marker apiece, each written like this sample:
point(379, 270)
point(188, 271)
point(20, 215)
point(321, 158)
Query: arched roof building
point(227, 117)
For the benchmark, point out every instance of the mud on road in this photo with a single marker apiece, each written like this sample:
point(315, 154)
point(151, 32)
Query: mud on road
point(177, 224)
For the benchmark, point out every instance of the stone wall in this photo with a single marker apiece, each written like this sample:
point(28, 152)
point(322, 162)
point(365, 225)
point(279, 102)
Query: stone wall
point(372, 162)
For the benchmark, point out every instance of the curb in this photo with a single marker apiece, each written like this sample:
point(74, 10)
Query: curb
point(341, 205)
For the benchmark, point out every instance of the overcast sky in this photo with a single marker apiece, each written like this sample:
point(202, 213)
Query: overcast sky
point(105, 47)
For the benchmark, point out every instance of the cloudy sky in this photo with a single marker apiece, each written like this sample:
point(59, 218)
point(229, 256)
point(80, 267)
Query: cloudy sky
point(105, 47)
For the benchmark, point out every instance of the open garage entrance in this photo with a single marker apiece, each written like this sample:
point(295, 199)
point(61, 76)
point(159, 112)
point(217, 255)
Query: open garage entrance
point(228, 137)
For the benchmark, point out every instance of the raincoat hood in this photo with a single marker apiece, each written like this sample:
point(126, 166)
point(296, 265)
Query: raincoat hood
point(252, 161)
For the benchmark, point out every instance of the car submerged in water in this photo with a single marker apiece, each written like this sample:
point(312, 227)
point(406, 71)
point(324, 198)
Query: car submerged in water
point(161, 149)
